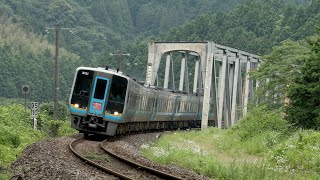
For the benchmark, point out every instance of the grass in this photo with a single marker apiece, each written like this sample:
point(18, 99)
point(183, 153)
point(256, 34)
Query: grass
point(261, 146)
point(96, 157)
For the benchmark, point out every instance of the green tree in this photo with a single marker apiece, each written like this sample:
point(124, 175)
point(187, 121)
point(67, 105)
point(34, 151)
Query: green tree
point(281, 66)
point(304, 106)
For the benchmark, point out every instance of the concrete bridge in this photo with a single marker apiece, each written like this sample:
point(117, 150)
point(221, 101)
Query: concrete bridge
point(220, 74)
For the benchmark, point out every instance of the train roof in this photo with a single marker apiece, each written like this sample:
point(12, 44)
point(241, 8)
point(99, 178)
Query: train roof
point(114, 72)
point(103, 70)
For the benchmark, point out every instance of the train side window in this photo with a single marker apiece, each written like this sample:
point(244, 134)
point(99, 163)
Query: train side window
point(187, 107)
point(141, 102)
point(149, 105)
point(134, 101)
point(173, 105)
point(144, 102)
point(181, 107)
point(162, 105)
point(167, 105)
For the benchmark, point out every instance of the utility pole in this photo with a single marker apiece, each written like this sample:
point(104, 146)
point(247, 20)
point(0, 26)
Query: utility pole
point(56, 75)
point(120, 58)
point(57, 29)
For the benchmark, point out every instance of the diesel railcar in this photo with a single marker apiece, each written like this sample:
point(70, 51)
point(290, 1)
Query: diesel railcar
point(105, 101)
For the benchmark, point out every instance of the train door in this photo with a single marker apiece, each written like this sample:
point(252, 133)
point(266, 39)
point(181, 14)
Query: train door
point(98, 97)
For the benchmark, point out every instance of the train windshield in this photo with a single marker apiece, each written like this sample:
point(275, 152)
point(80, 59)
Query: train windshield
point(117, 95)
point(82, 88)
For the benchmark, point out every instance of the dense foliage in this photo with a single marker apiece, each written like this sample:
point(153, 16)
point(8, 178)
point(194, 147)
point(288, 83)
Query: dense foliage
point(102, 27)
point(99, 28)
point(281, 66)
point(106, 24)
point(290, 80)
point(304, 107)
point(255, 26)
point(28, 59)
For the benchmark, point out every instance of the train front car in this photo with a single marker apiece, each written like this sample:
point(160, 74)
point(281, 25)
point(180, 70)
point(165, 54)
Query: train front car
point(97, 101)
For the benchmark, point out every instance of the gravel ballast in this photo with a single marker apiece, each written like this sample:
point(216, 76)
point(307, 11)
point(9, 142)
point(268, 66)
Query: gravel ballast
point(52, 159)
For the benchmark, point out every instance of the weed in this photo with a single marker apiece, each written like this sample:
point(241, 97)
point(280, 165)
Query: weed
point(261, 146)
point(93, 156)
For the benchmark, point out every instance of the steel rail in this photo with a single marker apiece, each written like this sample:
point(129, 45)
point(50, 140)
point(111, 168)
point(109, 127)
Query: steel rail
point(86, 160)
point(148, 169)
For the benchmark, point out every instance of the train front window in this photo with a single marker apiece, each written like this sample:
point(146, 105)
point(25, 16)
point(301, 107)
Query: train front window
point(82, 88)
point(100, 89)
point(117, 95)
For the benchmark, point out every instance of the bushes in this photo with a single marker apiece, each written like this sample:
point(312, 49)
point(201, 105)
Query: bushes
point(48, 108)
point(9, 139)
point(258, 121)
point(52, 127)
point(15, 135)
point(304, 107)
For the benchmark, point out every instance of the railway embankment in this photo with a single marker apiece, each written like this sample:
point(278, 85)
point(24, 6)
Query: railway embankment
point(52, 159)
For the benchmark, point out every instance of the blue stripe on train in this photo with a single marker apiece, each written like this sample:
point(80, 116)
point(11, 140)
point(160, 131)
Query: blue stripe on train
point(112, 118)
point(78, 111)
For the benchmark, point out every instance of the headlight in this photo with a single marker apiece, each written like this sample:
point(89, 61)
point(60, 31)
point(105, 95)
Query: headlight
point(76, 105)
point(116, 113)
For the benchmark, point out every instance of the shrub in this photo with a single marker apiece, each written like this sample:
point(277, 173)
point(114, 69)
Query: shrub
point(258, 121)
point(8, 138)
point(52, 127)
point(49, 108)
point(304, 107)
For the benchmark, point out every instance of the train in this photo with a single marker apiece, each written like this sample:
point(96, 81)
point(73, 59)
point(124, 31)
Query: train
point(108, 102)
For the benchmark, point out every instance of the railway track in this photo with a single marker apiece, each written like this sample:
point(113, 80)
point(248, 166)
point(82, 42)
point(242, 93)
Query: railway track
point(154, 173)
